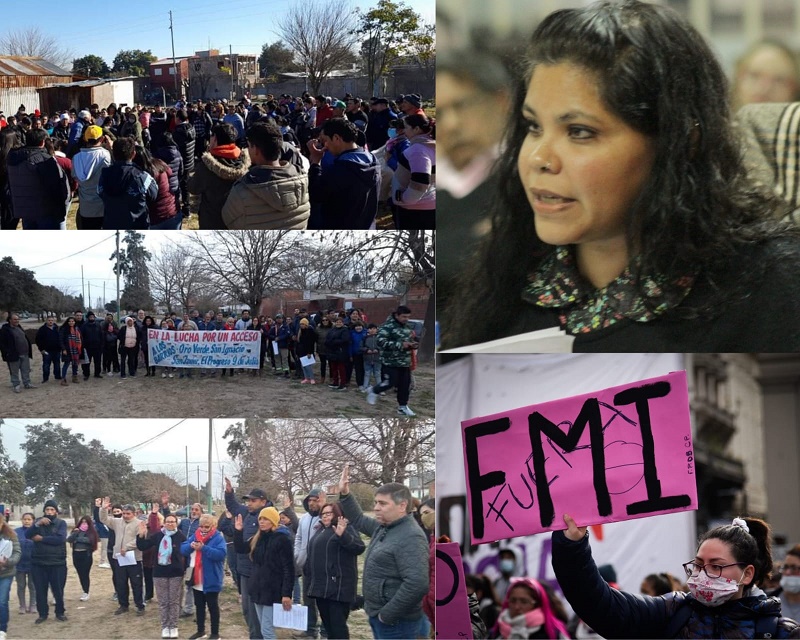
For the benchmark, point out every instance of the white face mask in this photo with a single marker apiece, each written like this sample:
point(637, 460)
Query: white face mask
point(791, 584)
point(712, 592)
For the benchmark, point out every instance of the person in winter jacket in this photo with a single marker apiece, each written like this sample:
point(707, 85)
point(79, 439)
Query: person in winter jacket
point(205, 551)
point(158, 125)
point(272, 577)
point(130, 343)
point(396, 343)
point(92, 335)
point(110, 355)
point(356, 360)
point(280, 333)
point(725, 599)
point(306, 342)
point(127, 577)
point(256, 501)
point(306, 530)
point(185, 136)
point(395, 576)
point(274, 192)
point(323, 327)
point(24, 577)
point(337, 344)
point(217, 170)
point(169, 153)
point(10, 555)
point(87, 165)
point(163, 211)
point(528, 613)
point(414, 180)
point(131, 128)
point(84, 541)
point(49, 560)
point(168, 566)
point(83, 120)
point(202, 124)
point(372, 357)
point(126, 190)
point(40, 189)
point(331, 569)
point(347, 190)
point(17, 353)
point(48, 341)
point(71, 349)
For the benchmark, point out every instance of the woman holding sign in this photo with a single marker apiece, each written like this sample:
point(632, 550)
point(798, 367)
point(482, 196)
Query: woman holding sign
point(724, 579)
point(626, 217)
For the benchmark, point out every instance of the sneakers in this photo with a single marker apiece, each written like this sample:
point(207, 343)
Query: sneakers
point(2, 635)
point(17, 389)
point(140, 612)
point(104, 565)
point(198, 634)
point(22, 611)
point(372, 398)
point(341, 387)
point(312, 382)
point(403, 410)
point(115, 597)
point(173, 632)
point(39, 620)
point(213, 636)
point(62, 617)
point(186, 614)
point(122, 375)
point(165, 632)
point(163, 375)
point(30, 386)
point(304, 381)
point(333, 386)
point(84, 597)
point(171, 375)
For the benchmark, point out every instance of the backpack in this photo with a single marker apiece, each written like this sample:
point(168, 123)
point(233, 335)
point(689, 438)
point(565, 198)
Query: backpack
point(765, 627)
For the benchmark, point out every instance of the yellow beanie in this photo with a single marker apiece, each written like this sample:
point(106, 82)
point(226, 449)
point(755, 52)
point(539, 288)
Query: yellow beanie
point(271, 514)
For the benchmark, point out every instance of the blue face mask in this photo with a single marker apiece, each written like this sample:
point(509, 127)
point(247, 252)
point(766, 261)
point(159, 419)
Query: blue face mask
point(392, 133)
point(507, 565)
point(284, 129)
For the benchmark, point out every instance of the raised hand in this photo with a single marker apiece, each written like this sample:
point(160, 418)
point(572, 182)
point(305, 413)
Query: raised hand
point(142, 528)
point(238, 524)
point(228, 485)
point(344, 481)
point(154, 508)
point(106, 503)
point(341, 526)
point(573, 532)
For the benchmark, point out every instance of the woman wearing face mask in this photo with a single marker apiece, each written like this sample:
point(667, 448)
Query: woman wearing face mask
point(724, 599)
point(427, 516)
point(167, 570)
point(790, 584)
point(84, 541)
point(206, 551)
point(132, 128)
point(527, 613)
point(24, 577)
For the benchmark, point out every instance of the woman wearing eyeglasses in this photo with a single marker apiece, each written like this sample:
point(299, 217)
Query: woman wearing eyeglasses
point(528, 613)
point(724, 600)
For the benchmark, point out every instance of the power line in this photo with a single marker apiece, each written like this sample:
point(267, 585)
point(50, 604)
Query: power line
point(155, 437)
point(71, 255)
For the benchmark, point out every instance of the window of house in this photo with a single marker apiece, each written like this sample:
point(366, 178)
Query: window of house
point(158, 71)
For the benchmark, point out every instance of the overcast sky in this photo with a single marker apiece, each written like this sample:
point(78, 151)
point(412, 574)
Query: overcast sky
point(166, 454)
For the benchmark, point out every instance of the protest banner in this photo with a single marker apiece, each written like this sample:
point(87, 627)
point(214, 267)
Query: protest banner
point(620, 453)
point(204, 349)
point(452, 608)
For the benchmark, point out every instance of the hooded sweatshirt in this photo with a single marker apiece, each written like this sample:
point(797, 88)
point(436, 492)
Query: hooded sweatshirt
point(212, 180)
point(268, 198)
point(87, 165)
point(125, 189)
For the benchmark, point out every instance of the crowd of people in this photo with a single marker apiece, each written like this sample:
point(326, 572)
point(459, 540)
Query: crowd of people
point(181, 562)
point(288, 163)
point(347, 347)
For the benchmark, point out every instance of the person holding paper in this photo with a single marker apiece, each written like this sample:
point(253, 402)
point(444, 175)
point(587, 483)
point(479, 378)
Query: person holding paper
point(625, 214)
point(332, 569)
point(724, 578)
point(306, 342)
point(128, 558)
point(272, 579)
point(168, 569)
point(49, 560)
point(206, 552)
point(306, 529)
point(395, 578)
point(10, 555)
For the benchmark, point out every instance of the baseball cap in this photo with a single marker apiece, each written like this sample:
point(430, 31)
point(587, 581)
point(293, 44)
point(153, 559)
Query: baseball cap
point(339, 105)
point(92, 132)
point(84, 115)
point(257, 494)
point(64, 116)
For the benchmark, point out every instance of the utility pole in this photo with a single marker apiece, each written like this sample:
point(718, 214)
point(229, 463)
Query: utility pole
point(230, 54)
point(104, 294)
point(116, 270)
point(174, 66)
point(198, 478)
point(89, 293)
point(210, 441)
point(187, 475)
point(83, 290)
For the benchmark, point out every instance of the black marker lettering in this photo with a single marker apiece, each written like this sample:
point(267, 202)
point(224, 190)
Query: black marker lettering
point(451, 564)
point(479, 483)
point(640, 396)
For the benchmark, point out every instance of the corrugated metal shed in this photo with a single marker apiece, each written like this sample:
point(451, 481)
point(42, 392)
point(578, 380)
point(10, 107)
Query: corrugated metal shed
point(21, 76)
point(26, 66)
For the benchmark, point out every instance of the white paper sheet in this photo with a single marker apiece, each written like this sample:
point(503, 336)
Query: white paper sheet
point(126, 559)
point(297, 618)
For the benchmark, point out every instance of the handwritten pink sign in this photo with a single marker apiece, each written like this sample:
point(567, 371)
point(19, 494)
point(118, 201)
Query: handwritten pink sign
point(452, 609)
point(618, 454)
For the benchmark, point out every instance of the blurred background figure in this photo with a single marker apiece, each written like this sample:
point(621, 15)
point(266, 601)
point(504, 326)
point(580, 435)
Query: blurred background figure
point(768, 72)
point(472, 106)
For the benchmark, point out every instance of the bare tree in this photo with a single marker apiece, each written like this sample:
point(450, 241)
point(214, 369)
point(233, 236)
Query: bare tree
point(178, 277)
point(316, 33)
point(32, 41)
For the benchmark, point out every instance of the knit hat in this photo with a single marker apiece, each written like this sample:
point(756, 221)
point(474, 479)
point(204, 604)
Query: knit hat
point(51, 503)
point(303, 322)
point(271, 514)
point(84, 115)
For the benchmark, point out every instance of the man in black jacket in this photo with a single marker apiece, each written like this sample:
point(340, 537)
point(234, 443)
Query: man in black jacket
point(39, 187)
point(48, 341)
point(347, 190)
point(17, 353)
point(185, 136)
point(49, 560)
point(93, 343)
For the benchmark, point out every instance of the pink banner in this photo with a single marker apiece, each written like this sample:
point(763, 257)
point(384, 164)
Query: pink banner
point(452, 609)
point(621, 453)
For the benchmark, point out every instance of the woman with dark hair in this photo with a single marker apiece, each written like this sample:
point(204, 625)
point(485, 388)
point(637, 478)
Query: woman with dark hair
point(323, 328)
point(84, 541)
point(258, 325)
point(724, 578)
point(414, 179)
point(625, 215)
point(163, 210)
point(657, 584)
point(24, 575)
point(332, 568)
point(147, 323)
point(71, 349)
point(527, 612)
point(8, 140)
point(489, 607)
point(169, 153)
point(10, 554)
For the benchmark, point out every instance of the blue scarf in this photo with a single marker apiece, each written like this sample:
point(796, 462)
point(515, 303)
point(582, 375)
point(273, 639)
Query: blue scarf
point(165, 547)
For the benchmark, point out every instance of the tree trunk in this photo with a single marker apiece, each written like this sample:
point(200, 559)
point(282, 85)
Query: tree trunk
point(427, 347)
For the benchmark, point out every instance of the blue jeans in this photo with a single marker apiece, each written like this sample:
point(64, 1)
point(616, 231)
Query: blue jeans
point(372, 369)
point(407, 629)
point(65, 366)
point(51, 358)
point(5, 590)
point(264, 613)
point(44, 223)
point(169, 224)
